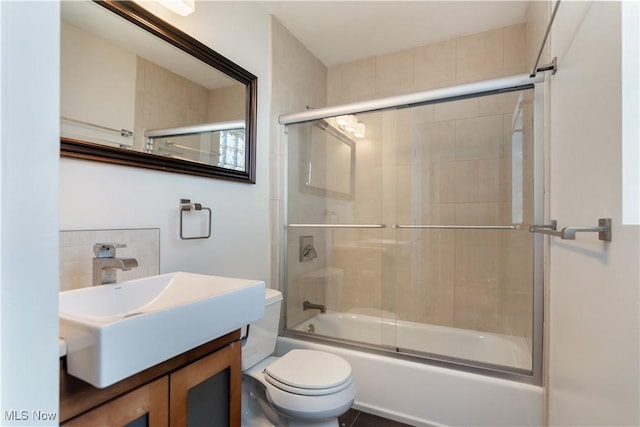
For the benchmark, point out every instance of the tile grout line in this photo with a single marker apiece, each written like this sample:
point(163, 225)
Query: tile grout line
point(353, 424)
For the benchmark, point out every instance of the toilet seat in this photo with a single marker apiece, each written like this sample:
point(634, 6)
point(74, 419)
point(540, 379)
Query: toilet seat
point(310, 407)
point(297, 372)
point(324, 405)
point(305, 391)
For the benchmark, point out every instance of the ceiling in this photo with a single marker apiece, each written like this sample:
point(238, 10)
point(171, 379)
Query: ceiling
point(337, 32)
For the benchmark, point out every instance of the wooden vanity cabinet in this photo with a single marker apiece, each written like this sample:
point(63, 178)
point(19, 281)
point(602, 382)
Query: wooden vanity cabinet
point(144, 406)
point(207, 392)
point(201, 387)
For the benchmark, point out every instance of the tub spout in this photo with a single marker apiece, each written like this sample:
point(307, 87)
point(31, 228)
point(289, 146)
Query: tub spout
point(311, 306)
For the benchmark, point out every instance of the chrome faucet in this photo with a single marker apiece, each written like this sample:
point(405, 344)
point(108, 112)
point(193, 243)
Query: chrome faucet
point(105, 263)
point(311, 306)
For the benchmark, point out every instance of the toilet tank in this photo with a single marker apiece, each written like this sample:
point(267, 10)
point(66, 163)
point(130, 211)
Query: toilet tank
point(263, 333)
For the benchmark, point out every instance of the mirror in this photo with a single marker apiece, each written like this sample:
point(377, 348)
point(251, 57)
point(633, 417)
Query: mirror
point(137, 91)
point(329, 169)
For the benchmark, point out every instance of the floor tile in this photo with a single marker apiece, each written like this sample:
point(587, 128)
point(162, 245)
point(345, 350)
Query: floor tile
point(368, 420)
point(354, 418)
point(347, 419)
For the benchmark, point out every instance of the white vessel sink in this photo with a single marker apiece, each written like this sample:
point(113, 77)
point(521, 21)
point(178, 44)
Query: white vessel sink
point(114, 331)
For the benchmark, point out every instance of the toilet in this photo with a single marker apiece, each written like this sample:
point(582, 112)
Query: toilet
point(301, 388)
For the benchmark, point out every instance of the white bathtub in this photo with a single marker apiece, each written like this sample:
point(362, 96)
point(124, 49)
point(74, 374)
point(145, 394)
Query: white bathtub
point(497, 349)
point(420, 394)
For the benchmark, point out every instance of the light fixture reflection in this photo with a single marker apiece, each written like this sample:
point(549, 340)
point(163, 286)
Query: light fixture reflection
point(349, 123)
point(181, 7)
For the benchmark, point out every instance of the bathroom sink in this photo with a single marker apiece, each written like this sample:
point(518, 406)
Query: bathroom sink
point(114, 331)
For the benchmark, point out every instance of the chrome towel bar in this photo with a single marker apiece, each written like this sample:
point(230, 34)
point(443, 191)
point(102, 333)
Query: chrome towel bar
point(460, 227)
point(569, 233)
point(336, 226)
point(436, 227)
point(123, 132)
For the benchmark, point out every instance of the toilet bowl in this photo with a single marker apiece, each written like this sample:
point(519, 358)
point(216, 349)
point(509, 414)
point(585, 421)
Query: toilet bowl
point(300, 388)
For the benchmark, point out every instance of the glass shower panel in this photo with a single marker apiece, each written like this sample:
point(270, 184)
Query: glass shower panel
point(334, 213)
point(463, 188)
point(412, 233)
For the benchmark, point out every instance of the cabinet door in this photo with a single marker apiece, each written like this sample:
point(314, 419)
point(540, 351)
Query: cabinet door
point(145, 406)
point(207, 392)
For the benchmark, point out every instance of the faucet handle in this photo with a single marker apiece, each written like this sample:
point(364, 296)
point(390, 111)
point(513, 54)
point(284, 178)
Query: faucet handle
point(107, 250)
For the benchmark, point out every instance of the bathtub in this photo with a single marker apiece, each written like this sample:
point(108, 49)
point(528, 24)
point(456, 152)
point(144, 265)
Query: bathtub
point(491, 348)
point(421, 394)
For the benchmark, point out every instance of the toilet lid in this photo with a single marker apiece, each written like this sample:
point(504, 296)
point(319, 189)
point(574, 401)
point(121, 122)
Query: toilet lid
point(311, 370)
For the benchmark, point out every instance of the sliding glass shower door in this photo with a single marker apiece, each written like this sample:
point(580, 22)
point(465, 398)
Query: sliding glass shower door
point(409, 227)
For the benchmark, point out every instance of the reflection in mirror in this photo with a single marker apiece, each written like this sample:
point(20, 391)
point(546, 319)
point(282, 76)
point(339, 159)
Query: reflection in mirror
point(218, 144)
point(139, 95)
point(330, 160)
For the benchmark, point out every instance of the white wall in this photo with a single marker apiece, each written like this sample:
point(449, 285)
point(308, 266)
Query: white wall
point(594, 293)
point(95, 195)
point(29, 147)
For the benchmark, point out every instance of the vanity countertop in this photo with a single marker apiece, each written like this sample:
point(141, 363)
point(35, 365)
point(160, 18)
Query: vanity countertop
point(63, 347)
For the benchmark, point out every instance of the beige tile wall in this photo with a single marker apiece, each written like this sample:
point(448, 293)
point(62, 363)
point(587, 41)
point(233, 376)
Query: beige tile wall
point(450, 165)
point(76, 254)
point(490, 54)
point(227, 103)
point(298, 80)
point(445, 164)
point(165, 99)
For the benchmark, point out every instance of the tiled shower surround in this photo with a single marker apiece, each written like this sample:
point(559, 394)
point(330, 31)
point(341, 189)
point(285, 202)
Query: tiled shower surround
point(490, 54)
point(455, 163)
point(450, 164)
point(76, 254)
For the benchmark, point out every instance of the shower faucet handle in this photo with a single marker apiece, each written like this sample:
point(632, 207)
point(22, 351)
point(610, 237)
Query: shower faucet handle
point(309, 252)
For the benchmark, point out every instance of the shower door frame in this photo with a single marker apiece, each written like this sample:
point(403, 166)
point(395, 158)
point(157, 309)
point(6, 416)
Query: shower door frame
point(453, 93)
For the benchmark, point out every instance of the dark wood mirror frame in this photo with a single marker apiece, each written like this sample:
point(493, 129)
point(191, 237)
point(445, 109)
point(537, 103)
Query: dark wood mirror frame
point(165, 31)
